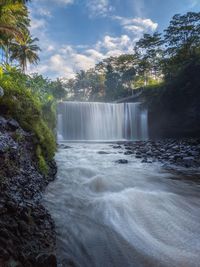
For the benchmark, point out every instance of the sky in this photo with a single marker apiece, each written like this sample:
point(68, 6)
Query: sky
point(77, 34)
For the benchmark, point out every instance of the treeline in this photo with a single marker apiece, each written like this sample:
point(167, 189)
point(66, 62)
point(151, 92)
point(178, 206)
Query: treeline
point(31, 100)
point(157, 59)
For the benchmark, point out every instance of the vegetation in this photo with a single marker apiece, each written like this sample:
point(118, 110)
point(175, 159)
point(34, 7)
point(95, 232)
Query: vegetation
point(157, 61)
point(16, 42)
point(31, 100)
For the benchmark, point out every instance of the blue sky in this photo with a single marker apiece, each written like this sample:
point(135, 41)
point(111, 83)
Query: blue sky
point(76, 34)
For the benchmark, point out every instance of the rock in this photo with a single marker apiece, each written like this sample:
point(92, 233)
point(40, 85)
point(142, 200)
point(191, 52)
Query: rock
point(3, 147)
point(138, 156)
point(45, 260)
point(144, 161)
point(11, 206)
point(13, 124)
point(66, 147)
point(26, 228)
point(4, 254)
point(3, 122)
point(193, 153)
point(149, 153)
point(129, 152)
point(117, 147)
point(188, 161)
point(188, 158)
point(122, 161)
point(103, 152)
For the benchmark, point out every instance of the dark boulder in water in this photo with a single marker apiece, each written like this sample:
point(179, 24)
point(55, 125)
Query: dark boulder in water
point(122, 161)
point(117, 147)
point(103, 152)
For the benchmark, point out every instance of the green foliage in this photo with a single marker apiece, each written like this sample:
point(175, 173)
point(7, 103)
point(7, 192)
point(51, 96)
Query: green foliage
point(183, 33)
point(27, 107)
point(18, 136)
point(16, 42)
point(24, 51)
point(42, 165)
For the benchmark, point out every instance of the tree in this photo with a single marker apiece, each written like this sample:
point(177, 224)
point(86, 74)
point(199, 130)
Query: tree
point(182, 40)
point(25, 51)
point(149, 50)
point(119, 74)
point(13, 18)
point(183, 34)
point(112, 84)
point(58, 90)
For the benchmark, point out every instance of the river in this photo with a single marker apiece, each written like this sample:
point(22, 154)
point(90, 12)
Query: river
point(122, 215)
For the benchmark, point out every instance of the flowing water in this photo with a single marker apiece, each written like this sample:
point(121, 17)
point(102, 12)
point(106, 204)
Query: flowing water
point(102, 121)
point(115, 215)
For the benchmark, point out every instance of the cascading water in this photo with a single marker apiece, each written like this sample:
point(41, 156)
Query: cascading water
point(122, 215)
point(102, 121)
point(118, 215)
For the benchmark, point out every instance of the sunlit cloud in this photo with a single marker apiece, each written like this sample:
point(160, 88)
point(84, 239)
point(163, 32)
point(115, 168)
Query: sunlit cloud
point(99, 7)
point(137, 25)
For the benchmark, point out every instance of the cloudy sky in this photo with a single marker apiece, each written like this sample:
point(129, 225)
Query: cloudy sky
point(76, 34)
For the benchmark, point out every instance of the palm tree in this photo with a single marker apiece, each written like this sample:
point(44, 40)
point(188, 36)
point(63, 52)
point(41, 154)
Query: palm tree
point(13, 18)
point(24, 51)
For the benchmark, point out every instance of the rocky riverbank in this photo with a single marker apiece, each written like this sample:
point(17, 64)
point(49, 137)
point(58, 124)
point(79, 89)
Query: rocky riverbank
point(27, 234)
point(171, 152)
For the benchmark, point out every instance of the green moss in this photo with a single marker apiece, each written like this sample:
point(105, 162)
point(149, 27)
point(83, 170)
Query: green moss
point(42, 165)
point(31, 112)
point(18, 136)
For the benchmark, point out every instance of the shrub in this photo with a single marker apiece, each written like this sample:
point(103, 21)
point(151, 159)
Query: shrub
point(33, 115)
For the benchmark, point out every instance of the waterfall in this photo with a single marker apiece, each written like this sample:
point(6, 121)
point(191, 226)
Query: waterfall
point(101, 121)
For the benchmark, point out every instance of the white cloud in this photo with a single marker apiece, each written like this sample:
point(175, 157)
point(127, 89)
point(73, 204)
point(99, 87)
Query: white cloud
point(37, 24)
point(137, 25)
point(44, 11)
point(109, 43)
point(96, 55)
point(99, 7)
point(58, 64)
point(65, 2)
point(64, 60)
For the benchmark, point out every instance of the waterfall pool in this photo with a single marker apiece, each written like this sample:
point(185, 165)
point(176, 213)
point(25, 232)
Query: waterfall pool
point(122, 215)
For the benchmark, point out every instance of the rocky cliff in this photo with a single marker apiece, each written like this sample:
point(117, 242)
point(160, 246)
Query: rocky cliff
point(27, 235)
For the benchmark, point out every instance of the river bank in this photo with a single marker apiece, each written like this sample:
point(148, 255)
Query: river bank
point(27, 232)
point(171, 153)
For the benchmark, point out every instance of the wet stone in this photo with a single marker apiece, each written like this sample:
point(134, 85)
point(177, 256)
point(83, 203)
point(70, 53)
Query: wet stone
point(117, 147)
point(23, 234)
point(103, 152)
point(13, 124)
point(45, 260)
point(122, 161)
point(129, 152)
